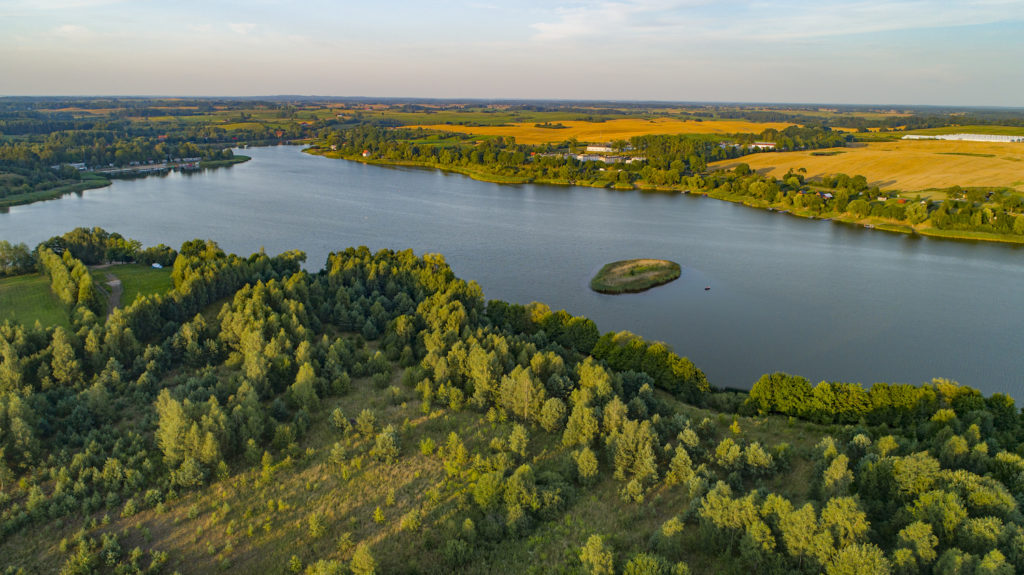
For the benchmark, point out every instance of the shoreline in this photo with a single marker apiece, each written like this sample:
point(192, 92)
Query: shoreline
point(879, 224)
point(93, 181)
point(54, 193)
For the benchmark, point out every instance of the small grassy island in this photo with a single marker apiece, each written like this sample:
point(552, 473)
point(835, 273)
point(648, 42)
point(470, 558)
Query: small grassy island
point(631, 276)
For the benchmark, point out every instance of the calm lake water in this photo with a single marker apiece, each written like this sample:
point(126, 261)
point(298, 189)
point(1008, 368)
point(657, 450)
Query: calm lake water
point(819, 299)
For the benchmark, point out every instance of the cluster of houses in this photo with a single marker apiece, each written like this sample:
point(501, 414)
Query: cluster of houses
point(966, 137)
point(147, 167)
point(605, 159)
point(594, 157)
point(606, 149)
point(755, 145)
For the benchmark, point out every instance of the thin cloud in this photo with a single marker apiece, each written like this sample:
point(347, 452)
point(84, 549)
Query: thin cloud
point(760, 20)
point(53, 5)
point(71, 31)
point(608, 18)
point(242, 28)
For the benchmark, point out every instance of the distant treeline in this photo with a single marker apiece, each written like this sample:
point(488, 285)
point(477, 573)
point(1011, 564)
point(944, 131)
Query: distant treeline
point(994, 211)
point(664, 159)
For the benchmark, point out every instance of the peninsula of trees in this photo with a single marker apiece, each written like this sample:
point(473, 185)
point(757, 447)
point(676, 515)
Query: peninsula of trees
point(387, 416)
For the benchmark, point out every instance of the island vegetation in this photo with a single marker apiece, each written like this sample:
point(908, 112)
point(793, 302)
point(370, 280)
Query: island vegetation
point(381, 411)
point(632, 276)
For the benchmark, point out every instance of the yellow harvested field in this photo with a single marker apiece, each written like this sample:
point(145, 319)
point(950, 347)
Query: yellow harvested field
point(852, 130)
point(240, 125)
point(596, 132)
point(905, 165)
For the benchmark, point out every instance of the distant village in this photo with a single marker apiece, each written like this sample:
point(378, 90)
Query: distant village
point(136, 168)
point(607, 153)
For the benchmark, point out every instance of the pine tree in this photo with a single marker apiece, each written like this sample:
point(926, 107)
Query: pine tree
point(680, 469)
point(581, 428)
point(365, 422)
point(64, 366)
point(597, 558)
point(586, 465)
point(518, 440)
point(385, 445)
point(363, 562)
point(302, 392)
point(171, 428)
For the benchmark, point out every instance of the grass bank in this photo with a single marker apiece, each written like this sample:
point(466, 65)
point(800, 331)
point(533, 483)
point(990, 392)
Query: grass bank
point(88, 182)
point(26, 299)
point(969, 235)
point(631, 276)
point(238, 159)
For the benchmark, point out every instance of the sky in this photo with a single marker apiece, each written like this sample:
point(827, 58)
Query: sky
point(899, 52)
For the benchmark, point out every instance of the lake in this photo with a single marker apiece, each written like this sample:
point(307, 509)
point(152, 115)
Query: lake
point(809, 297)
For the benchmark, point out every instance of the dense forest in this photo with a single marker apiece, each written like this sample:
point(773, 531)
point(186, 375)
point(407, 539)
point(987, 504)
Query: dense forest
point(380, 415)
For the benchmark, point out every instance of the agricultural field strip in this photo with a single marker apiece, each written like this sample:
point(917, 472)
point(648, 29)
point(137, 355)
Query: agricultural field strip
point(527, 133)
point(905, 165)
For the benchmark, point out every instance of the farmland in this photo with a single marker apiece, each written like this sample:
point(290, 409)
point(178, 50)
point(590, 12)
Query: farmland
point(906, 165)
point(623, 129)
point(997, 130)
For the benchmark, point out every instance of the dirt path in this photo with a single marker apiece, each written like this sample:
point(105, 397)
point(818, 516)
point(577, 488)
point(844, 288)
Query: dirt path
point(114, 297)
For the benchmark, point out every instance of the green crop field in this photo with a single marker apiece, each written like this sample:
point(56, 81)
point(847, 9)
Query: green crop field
point(25, 299)
point(996, 130)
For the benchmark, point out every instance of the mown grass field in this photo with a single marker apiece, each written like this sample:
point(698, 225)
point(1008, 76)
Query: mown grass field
point(906, 165)
point(135, 279)
point(25, 299)
point(528, 133)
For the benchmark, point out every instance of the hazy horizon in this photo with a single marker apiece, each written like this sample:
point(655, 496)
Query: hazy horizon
point(867, 53)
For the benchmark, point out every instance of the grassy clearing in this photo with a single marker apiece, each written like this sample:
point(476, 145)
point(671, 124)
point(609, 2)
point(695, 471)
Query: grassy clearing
point(971, 235)
point(25, 299)
point(630, 276)
point(905, 165)
point(623, 129)
point(237, 159)
point(135, 279)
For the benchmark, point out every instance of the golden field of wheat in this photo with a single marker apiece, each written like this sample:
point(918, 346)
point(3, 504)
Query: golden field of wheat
point(597, 132)
point(905, 165)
